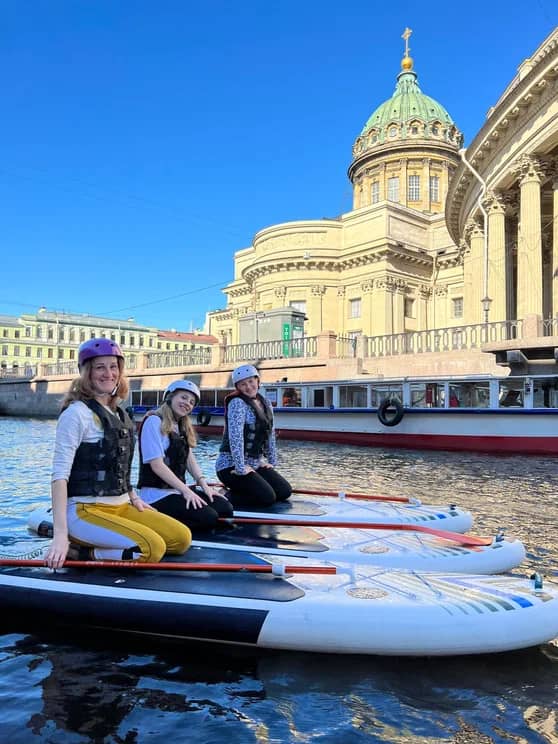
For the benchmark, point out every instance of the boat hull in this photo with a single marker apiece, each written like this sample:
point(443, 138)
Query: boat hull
point(502, 431)
point(361, 609)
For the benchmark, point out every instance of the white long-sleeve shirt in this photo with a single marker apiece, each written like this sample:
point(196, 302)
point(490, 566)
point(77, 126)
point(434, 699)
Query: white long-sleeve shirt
point(78, 424)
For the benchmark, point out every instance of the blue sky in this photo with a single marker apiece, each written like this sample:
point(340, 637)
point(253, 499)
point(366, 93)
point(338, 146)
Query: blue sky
point(143, 143)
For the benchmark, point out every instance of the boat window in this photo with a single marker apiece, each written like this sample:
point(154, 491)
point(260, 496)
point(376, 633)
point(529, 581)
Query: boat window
point(222, 394)
point(427, 395)
point(511, 394)
point(207, 397)
point(291, 396)
point(149, 398)
point(379, 392)
point(469, 395)
point(545, 393)
point(352, 396)
point(321, 397)
point(271, 395)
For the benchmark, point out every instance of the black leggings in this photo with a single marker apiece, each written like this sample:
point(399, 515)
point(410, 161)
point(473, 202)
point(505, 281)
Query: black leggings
point(202, 519)
point(259, 489)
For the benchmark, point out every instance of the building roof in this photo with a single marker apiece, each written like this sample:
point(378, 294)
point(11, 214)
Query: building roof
point(193, 338)
point(407, 105)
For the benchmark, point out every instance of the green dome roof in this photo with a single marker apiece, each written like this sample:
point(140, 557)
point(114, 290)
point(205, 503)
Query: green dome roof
point(408, 115)
point(406, 104)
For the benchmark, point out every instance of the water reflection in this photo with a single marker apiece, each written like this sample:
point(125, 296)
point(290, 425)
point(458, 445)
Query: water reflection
point(101, 691)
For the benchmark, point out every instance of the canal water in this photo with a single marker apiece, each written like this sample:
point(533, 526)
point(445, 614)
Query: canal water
point(79, 687)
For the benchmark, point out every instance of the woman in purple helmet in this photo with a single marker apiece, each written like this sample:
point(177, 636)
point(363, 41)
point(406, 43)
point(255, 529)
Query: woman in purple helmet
point(93, 502)
point(248, 454)
point(166, 447)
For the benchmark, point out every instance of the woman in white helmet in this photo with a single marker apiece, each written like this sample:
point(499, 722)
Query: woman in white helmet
point(248, 453)
point(166, 447)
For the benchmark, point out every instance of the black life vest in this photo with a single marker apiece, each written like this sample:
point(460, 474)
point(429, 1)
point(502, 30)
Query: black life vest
point(256, 435)
point(103, 468)
point(176, 458)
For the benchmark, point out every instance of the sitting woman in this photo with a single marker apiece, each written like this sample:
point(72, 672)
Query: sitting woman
point(93, 502)
point(166, 447)
point(248, 452)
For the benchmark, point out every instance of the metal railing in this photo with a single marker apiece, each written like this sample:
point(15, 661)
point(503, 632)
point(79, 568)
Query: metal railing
point(442, 339)
point(281, 349)
point(18, 373)
point(178, 358)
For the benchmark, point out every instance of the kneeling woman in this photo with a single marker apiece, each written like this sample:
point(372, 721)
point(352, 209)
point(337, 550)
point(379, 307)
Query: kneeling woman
point(93, 502)
point(248, 452)
point(166, 444)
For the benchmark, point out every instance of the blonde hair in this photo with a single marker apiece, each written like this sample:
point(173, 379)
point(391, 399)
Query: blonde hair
point(82, 389)
point(168, 421)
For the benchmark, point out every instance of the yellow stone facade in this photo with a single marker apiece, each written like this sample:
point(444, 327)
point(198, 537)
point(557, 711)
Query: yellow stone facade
point(389, 265)
point(424, 246)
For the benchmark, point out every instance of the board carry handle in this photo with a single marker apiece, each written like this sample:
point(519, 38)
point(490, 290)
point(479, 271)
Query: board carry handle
point(465, 540)
point(275, 569)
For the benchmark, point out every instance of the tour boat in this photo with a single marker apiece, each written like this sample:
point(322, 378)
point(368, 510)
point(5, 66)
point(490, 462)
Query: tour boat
point(281, 603)
point(416, 546)
point(515, 414)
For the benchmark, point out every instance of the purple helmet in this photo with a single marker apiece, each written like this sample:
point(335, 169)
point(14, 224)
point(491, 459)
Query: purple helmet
point(97, 347)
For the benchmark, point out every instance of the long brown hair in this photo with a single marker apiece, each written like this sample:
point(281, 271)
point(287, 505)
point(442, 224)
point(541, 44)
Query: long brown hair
point(168, 421)
point(82, 389)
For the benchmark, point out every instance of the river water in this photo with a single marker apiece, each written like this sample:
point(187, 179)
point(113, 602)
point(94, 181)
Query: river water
point(71, 687)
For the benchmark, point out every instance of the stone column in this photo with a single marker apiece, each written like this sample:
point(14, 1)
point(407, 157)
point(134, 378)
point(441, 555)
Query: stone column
point(383, 182)
point(403, 183)
point(423, 298)
point(399, 294)
point(497, 264)
point(425, 186)
point(529, 248)
point(474, 268)
point(367, 312)
point(341, 310)
point(316, 297)
point(444, 181)
point(382, 306)
point(555, 247)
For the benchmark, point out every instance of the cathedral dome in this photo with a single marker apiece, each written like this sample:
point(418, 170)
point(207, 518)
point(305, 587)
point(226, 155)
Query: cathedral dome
point(409, 115)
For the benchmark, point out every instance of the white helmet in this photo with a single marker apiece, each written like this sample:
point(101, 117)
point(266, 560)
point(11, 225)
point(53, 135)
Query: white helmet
point(191, 387)
point(244, 372)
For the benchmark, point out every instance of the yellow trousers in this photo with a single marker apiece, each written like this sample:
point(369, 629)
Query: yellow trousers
point(113, 530)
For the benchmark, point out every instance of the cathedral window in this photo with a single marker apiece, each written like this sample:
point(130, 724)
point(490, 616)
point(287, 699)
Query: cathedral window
point(375, 192)
point(299, 305)
point(414, 188)
point(393, 131)
point(355, 308)
point(434, 188)
point(457, 307)
point(409, 307)
point(393, 189)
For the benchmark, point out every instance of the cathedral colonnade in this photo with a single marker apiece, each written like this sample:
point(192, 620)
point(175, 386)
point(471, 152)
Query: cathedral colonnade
point(503, 205)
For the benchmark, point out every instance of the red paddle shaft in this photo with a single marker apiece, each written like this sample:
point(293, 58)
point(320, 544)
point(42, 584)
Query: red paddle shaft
point(247, 567)
point(467, 540)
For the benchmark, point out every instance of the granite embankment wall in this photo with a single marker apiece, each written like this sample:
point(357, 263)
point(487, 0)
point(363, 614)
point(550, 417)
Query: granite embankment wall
point(42, 396)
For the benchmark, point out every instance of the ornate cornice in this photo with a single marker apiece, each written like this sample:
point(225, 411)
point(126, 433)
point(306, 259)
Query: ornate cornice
point(521, 103)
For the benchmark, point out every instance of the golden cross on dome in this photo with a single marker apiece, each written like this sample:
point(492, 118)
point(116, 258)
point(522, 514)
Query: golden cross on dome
point(405, 35)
